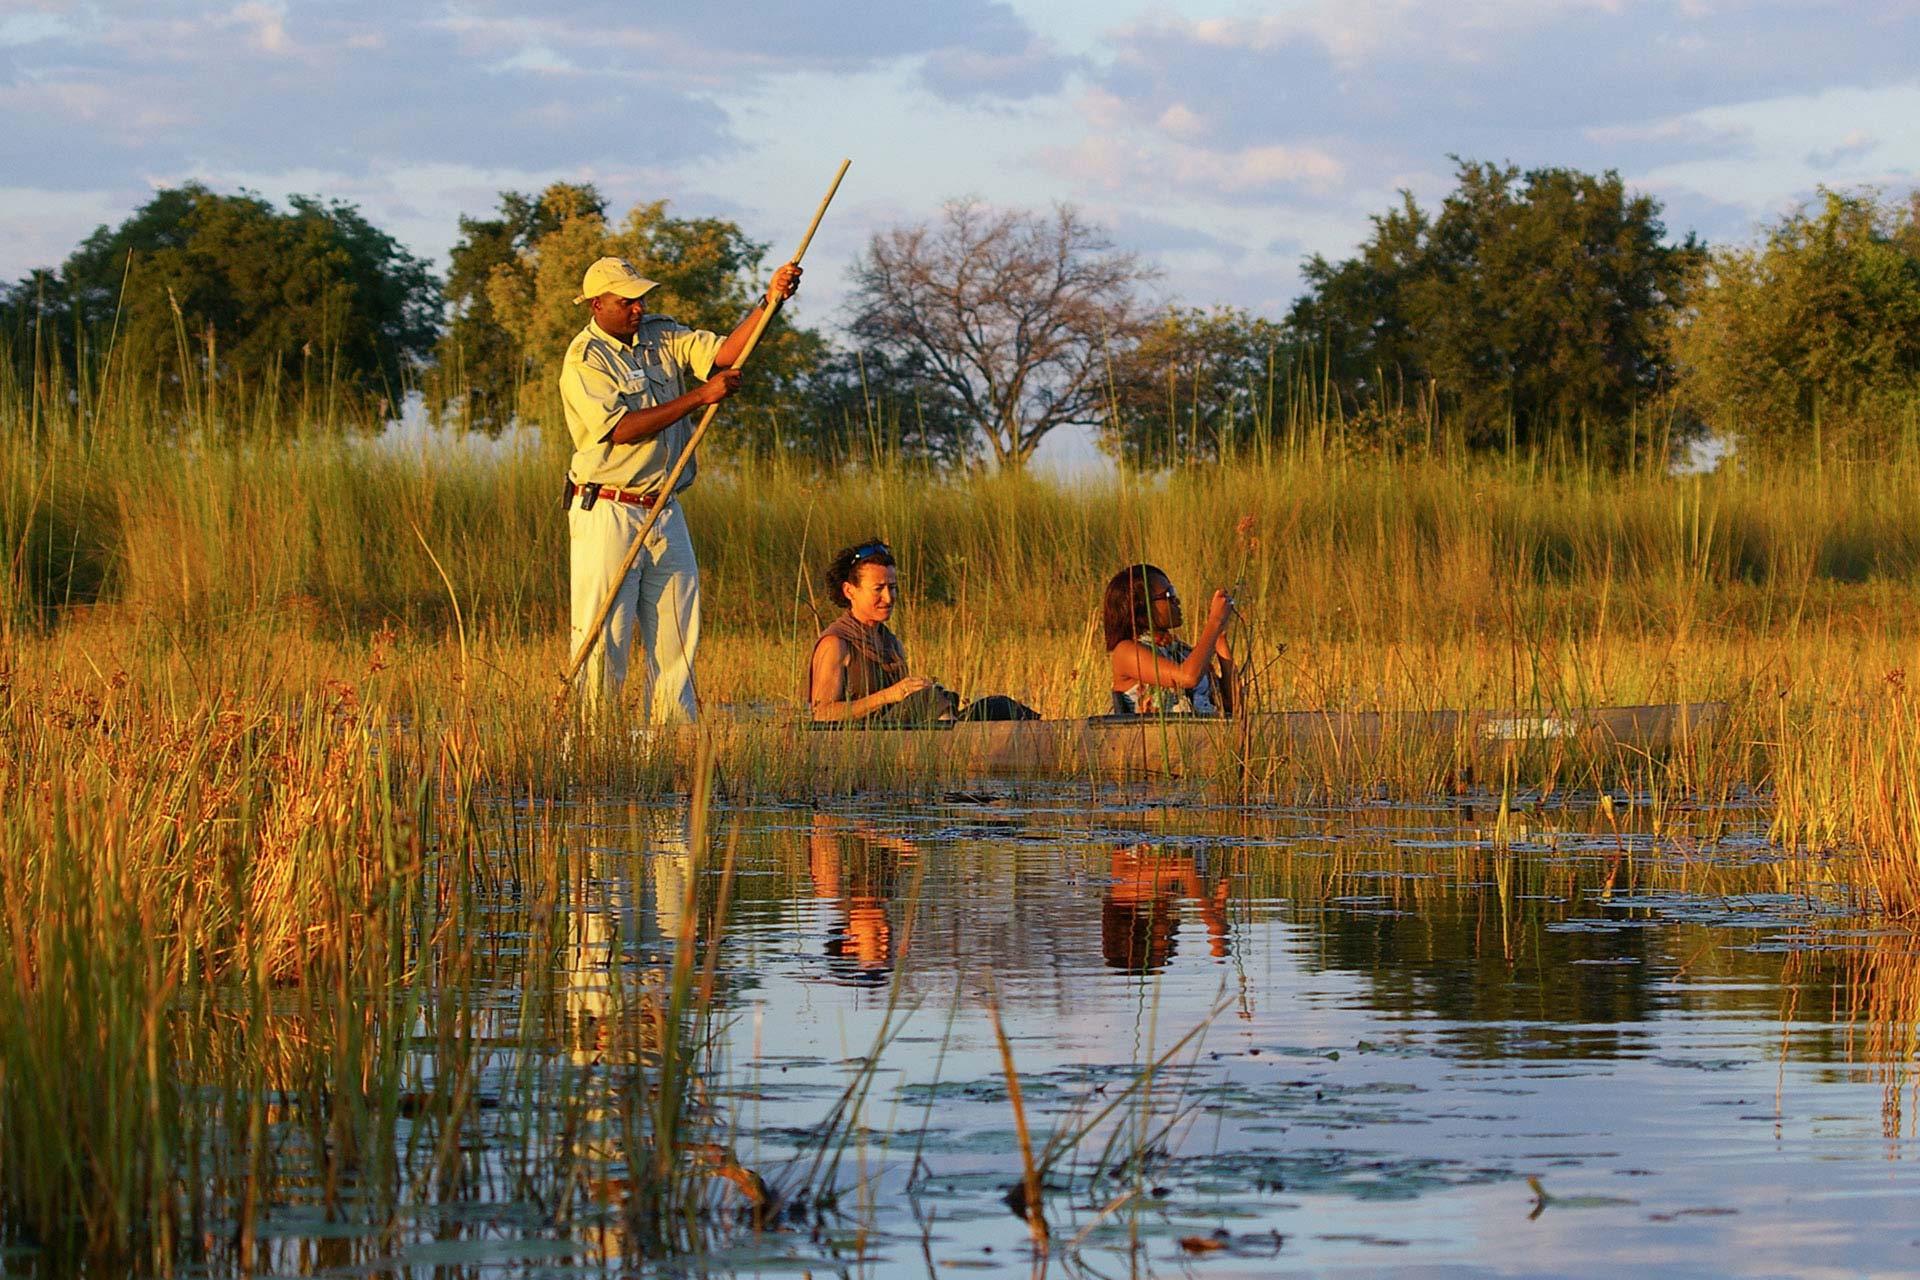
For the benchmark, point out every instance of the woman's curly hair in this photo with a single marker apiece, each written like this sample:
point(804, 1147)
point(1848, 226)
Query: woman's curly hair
point(844, 569)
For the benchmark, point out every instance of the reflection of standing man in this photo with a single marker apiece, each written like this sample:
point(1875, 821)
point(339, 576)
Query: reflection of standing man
point(623, 385)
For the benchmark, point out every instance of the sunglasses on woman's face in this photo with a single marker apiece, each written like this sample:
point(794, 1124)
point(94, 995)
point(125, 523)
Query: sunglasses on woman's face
point(868, 550)
point(1168, 594)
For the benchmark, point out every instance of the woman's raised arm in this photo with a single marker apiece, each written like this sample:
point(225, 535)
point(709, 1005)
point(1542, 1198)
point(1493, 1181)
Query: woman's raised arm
point(1135, 662)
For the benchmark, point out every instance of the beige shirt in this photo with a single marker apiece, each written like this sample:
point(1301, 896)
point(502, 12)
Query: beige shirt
point(603, 379)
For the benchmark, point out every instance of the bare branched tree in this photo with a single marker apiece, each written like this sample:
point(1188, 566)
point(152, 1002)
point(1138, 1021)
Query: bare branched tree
point(1015, 313)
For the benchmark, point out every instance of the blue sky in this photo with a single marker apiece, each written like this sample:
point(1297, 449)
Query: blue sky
point(1222, 141)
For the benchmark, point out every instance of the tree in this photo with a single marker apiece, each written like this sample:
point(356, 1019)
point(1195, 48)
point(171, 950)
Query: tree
point(1194, 385)
point(200, 289)
point(478, 366)
point(866, 405)
point(1012, 313)
point(1812, 338)
point(709, 274)
point(1355, 316)
point(1537, 306)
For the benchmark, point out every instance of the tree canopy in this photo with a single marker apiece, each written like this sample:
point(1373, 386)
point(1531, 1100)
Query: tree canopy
point(1194, 386)
point(1544, 308)
point(478, 365)
point(197, 286)
point(1012, 313)
point(1813, 337)
point(1534, 306)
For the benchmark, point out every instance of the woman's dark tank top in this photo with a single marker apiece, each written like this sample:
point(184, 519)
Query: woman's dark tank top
point(875, 658)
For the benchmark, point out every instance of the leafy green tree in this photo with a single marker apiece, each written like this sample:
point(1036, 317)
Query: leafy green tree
point(709, 274)
point(1533, 307)
point(198, 290)
point(1194, 386)
point(478, 366)
point(1813, 337)
point(1356, 314)
point(868, 406)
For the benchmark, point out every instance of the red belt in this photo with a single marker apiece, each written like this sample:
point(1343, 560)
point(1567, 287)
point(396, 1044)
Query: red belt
point(609, 493)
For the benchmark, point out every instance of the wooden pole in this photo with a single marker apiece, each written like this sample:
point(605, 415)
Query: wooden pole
point(686, 455)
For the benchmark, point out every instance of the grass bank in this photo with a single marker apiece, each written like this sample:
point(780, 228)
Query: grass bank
point(268, 960)
point(274, 557)
point(210, 521)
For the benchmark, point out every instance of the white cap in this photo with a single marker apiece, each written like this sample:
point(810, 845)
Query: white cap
point(614, 275)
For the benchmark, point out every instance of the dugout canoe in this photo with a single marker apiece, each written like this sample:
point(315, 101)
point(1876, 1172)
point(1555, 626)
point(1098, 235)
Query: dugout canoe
point(1182, 745)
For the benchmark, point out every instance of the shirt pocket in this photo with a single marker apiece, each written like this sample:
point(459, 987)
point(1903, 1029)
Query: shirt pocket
point(636, 389)
point(648, 384)
point(663, 382)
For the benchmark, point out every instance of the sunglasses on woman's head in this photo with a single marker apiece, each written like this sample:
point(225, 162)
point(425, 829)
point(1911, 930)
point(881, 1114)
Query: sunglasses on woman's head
point(868, 550)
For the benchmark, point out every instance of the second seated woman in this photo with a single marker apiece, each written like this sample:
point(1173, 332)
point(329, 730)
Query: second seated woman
point(1153, 670)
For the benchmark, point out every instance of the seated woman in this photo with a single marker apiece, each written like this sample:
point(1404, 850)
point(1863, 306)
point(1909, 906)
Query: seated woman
point(1152, 670)
point(858, 671)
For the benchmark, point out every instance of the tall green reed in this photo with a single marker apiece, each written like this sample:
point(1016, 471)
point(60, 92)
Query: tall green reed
point(259, 954)
point(1370, 577)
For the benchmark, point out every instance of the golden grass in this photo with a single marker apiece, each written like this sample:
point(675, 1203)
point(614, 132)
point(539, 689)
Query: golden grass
point(244, 965)
point(241, 878)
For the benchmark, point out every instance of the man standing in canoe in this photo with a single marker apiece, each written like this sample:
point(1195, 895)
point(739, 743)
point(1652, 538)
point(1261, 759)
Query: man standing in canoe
point(630, 383)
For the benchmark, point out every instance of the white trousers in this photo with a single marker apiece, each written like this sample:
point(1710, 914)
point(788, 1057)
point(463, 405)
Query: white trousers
point(660, 597)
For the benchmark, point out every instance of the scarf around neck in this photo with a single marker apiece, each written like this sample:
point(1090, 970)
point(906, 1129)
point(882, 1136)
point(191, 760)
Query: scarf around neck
point(875, 657)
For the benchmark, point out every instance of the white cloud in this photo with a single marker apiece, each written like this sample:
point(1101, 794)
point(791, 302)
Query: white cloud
point(1265, 130)
point(74, 100)
point(266, 25)
point(538, 58)
point(1682, 130)
point(1182, 122)
point(973, 74)
point(1353, 31)
point(32, 24)
point(1840, 137)
point(1114, 164)
point(1103, 162)
point(1256, 168)
point(1105, 109)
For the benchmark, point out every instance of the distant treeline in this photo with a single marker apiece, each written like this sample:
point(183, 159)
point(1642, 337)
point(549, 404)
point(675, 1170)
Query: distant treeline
point(1540, 312)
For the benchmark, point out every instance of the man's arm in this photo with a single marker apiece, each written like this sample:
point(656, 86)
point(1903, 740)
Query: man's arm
point(643, 424)
point(786, 283)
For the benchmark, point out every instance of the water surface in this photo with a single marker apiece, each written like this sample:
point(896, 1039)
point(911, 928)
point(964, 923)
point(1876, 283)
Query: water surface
point(1430, 1040)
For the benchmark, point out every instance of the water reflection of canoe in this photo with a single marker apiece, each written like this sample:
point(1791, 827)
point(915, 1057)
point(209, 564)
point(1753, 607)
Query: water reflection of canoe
point(1188, 744)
